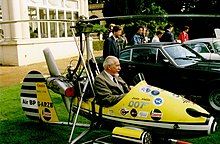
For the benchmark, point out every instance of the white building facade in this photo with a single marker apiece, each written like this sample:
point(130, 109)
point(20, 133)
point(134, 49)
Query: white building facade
point(24, 41)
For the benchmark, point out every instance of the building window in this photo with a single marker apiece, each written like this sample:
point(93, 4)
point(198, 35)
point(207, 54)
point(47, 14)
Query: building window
point(53, 25)
point(69, 30)
point(43, 25)
point(33, 27)
point(61, 24)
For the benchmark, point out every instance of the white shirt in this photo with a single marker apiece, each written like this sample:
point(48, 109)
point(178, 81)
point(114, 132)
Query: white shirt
point(110, 76)
point(155, 39)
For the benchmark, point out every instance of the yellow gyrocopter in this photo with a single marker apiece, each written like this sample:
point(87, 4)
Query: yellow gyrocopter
point(145, 112)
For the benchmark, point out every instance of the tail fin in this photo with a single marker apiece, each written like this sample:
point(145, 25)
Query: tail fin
point(35, 98)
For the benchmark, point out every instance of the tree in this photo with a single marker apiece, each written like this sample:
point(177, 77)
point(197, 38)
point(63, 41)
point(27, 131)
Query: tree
point(128, 7)
point(199, 27)
point(134, 7)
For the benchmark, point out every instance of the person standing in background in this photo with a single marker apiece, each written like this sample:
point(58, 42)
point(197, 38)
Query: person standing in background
point(138, 37)
point(110, 33)
point(168, 35)
point(183, 36)
point(112, 45)
point(145, 35)
point(157, 36)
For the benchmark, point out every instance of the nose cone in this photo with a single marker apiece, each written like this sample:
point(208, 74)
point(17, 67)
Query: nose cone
point(212, 124)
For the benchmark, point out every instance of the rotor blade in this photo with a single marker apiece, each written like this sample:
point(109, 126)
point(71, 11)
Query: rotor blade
point(117, 18)
point(41, 20)
point(150, 16)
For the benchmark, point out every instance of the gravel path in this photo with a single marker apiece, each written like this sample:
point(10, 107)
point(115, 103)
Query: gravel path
point(11, 75)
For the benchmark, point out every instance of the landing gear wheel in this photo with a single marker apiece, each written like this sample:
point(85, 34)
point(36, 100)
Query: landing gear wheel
point(214, 99)
point(147, 138)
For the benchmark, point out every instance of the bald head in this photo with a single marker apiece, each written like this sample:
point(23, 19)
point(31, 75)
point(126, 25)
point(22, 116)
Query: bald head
point(112, 65)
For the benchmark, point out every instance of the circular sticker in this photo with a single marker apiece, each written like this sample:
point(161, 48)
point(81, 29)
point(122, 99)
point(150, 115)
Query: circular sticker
point(145, 89)
point(133, 112)
point(46, 114)
point(155, 92)
point(156, 114)
point(158, 101)
point(124, 111)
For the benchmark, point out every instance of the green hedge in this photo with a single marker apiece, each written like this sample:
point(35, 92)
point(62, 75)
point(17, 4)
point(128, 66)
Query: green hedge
point(98, 45)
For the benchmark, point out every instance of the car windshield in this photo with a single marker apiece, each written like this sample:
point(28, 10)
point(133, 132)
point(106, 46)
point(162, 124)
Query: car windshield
point(181, 55)
point(199, 47)
point(217, 46)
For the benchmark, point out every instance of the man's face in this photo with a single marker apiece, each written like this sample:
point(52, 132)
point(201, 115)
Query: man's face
point(140, 31)
point(115, 68)
point(118, 33)
point(160, 35)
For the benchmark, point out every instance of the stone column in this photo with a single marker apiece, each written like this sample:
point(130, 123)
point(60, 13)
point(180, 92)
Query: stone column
point(15, 10)
point(24, 15)
point(83, 8)
point(86, 8)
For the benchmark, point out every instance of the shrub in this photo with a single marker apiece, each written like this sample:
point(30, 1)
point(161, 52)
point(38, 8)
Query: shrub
point(98, 45)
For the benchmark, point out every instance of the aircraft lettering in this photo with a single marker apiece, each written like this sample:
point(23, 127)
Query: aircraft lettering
point(25, 101)
point(135, 98)
point(137, 104)
point(186, 101)
point(45, 104)
point(145, 99)
point(40, 85)
point(32, 102)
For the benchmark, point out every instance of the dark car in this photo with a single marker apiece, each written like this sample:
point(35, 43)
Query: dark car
point(173, 67)
point(209, 48)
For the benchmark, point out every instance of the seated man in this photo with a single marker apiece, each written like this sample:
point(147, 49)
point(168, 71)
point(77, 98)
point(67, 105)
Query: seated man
point(109, 87)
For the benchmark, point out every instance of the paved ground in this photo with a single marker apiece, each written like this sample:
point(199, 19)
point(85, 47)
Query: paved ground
point(11, 75)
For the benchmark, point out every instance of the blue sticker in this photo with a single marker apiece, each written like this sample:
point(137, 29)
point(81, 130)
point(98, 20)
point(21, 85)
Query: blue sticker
point(158, 101)
point(145, 89)
point(155, 92)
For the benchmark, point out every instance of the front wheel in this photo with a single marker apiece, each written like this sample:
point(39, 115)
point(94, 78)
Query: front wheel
point(214, 99)
point(147, 138)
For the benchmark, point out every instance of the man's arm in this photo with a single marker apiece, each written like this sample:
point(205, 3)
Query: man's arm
point(108, 48)
point(135, 39)
point(171, 37)
point(104, 95)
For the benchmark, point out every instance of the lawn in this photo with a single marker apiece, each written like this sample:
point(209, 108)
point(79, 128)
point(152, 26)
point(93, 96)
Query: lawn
point(16, 128)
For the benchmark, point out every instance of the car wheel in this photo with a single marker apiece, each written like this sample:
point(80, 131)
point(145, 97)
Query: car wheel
point(214, 99)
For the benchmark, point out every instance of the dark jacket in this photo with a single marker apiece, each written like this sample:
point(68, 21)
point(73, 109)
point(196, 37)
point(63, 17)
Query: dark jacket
point(167, 37)
point(108, 92)
point(110, 48)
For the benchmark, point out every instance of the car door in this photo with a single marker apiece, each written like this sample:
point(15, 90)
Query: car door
point(125, 62)
point(143, 60)
point(186, 75)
